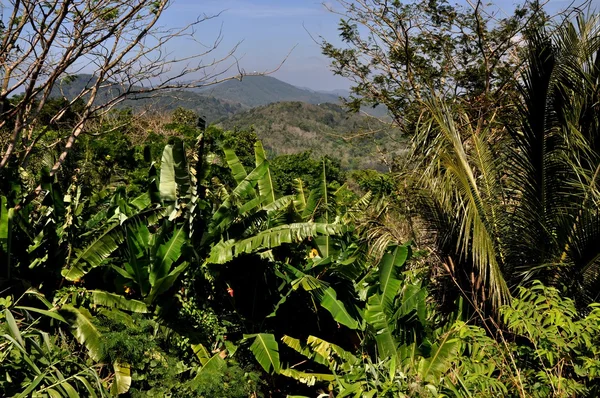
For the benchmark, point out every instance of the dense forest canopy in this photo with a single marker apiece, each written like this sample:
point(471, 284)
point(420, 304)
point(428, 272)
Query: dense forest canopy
point(292, 247)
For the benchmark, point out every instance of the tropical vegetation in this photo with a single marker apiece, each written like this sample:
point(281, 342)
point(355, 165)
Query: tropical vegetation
point(168, 258)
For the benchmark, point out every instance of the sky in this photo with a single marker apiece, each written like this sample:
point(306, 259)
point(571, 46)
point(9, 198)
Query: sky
point(270, 29)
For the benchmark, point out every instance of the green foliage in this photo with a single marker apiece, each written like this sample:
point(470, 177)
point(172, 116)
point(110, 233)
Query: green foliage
point(374, 181)
point(230, 382)
point(219, 272)
point(398, 53)
point(288, 168)
point(34, 362)
point(515, 200)
point(287, 128)
point(265, 349)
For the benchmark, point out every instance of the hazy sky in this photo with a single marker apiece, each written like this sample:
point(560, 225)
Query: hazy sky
point(271, 28)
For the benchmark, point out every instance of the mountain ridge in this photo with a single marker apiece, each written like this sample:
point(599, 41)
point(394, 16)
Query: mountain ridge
point(254, 91)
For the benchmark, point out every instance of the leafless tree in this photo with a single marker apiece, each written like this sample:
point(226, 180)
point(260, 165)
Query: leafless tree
point(44, 43)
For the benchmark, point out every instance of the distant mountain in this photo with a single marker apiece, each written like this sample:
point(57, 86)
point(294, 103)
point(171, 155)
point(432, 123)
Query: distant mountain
point(338, 92)
point(254, 91)
point(165, 101)
point(215, 102)
point(312, 121)
point(71, 86)
point(210, 108)
point(325, 129)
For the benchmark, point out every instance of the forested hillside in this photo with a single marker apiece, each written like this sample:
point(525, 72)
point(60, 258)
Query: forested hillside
point(211, 108)
point(358, 141)
point(307, 124)
point(254, 91)
point(299, 248)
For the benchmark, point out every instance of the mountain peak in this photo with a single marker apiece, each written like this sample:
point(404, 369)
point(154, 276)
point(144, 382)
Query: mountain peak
point(254, 91)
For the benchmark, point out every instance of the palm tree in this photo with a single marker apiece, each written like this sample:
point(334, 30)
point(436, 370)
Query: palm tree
point(513, 200)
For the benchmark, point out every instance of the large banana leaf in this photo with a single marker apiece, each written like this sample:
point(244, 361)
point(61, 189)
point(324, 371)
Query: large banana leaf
point(329, 301)
point(324, 242)
point(329, 351)
point(237, 168)
point(201, 352)
point(443, 352)
point(95, 253)
point(265, 184)
point(84, 330)
point(266, 351)
point(122, 380)
point(307, 378)
point(226, 213)
point(414, 302)
point(6, 216)
point(297, 346)
point(300, 198)
point(376, 316)
point(325, 295)
point(225, 251)
point(214, 363)
point(279, 204)
point(163, 284)
point(111, 300)
point(211, 364)
point(138, 242)
point(167, 253)
point(389, 279)
point(174, 173)
point(153, 188)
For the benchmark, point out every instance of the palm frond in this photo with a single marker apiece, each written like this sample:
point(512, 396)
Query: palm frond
point(460, 178)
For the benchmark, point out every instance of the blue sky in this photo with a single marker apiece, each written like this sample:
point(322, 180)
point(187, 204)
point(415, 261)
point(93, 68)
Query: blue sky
point(271, 28)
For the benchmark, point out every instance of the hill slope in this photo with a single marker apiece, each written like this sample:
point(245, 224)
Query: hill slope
point(211, 108)
point(325, 129)
point(165, 101)
point(254, 91)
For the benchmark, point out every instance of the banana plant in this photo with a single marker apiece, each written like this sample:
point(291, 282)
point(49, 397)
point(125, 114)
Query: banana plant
point(334, 261)
point(410, 357)
point(41, 364)
point(262, 220)
point(127, 229)
point(162, 232)
point(35, 235)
